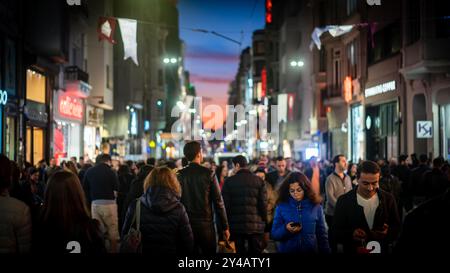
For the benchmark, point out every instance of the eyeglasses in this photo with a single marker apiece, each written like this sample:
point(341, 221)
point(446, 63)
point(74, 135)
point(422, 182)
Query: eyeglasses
point(299, 190)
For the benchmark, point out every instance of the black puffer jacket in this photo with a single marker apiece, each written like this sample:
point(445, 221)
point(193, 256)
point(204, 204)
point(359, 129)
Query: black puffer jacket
point(164, 223)
point(245, 198)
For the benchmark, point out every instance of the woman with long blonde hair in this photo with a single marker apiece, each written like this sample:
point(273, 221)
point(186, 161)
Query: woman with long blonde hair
point(164, 223)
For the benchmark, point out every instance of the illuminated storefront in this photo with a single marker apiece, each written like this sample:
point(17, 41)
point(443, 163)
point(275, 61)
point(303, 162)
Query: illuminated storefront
point(382, 120)
point(93, 132)
point(67, 126)
point(37, 117)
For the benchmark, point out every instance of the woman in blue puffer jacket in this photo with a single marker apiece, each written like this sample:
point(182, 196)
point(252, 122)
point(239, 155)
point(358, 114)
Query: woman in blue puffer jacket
point(299, 223)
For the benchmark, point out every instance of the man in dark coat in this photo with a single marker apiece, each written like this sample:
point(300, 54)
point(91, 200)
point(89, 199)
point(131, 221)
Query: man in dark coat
point(366, 214)
point(245, 198)
point(277, 177)
point(200, 192)
point(435, 181)
point(404, 175)
point(417, 182)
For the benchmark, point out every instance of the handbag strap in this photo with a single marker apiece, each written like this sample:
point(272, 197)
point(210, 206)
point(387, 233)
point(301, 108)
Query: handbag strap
point(138, 214)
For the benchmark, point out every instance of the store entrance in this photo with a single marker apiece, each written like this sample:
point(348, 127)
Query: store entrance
point(382, 131)
point(35, 144)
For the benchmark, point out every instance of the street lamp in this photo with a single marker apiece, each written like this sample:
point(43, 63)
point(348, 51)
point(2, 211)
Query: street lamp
point(173, 60)
point(297, 63)
point(166, 60)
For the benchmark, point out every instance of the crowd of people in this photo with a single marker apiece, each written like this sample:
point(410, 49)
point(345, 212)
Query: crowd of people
point(186, 206)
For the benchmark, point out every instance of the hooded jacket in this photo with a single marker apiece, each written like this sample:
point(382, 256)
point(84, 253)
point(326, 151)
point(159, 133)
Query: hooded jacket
point(164, 224)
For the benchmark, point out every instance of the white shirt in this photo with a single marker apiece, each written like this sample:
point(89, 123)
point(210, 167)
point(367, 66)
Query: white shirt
point(370, 206)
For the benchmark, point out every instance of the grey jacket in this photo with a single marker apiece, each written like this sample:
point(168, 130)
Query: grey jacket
point(334, 188)
point(15, 225)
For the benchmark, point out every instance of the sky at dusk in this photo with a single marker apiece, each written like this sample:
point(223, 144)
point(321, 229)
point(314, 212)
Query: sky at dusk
point(213, 61)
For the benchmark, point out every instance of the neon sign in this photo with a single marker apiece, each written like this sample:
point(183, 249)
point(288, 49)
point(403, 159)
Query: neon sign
point(70, 107)
point(348, 89)
point(3, 97)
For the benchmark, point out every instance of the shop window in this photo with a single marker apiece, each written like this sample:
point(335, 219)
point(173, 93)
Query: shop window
point(322, 60)
point(35, 86)
point(388, 42)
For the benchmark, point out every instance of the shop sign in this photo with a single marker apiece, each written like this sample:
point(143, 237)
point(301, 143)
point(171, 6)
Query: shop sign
point(380, 89)
point(70, 107)
point(348, 89)
point(3, 97)
point(424, 129)
point(94, 116)
point(36, 112)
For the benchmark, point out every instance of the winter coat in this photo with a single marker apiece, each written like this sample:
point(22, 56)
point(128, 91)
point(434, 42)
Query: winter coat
point(245, 198)
point(313, 236)
point(15, 225)
point(349, 216)
point(164, 223)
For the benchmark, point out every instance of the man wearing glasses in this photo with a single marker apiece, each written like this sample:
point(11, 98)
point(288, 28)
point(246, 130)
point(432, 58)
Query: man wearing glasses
point(366, 214)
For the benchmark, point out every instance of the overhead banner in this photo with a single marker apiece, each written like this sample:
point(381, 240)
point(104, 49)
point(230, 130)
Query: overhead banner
point(105, 29)
point(128, 29)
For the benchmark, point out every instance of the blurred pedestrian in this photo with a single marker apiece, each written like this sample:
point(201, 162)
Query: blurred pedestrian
point(277, 177)
point(338, 183)
point(136, 188)
point(222, 174)
point(65, 218)
point(71, 167)
point(164, 223)
point(125, 179)
point(352, 172)
point(404, 175)
point(435, 181)
point(392, 185)
point(101, 185)
point(15, 220)
point(245, 198)
point(272, 197)
point(417, 180)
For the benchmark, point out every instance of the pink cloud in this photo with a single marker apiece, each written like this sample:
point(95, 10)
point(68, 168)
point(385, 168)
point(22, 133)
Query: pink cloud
point(210, 79)
point(213, 56)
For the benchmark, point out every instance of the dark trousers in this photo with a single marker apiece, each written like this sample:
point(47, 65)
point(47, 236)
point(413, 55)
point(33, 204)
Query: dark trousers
point(255, 243)
point(204, 238)
point(331, 237)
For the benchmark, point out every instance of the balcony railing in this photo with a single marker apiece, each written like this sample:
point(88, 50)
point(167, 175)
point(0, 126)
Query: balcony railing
point(74, 73)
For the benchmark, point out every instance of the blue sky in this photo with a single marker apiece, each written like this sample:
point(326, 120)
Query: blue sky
point(211, 60)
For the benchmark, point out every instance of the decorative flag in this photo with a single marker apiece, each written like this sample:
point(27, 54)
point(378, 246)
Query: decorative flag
point(316, 37)
point(128, 29)
point(105, 29)
point(335, 31)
